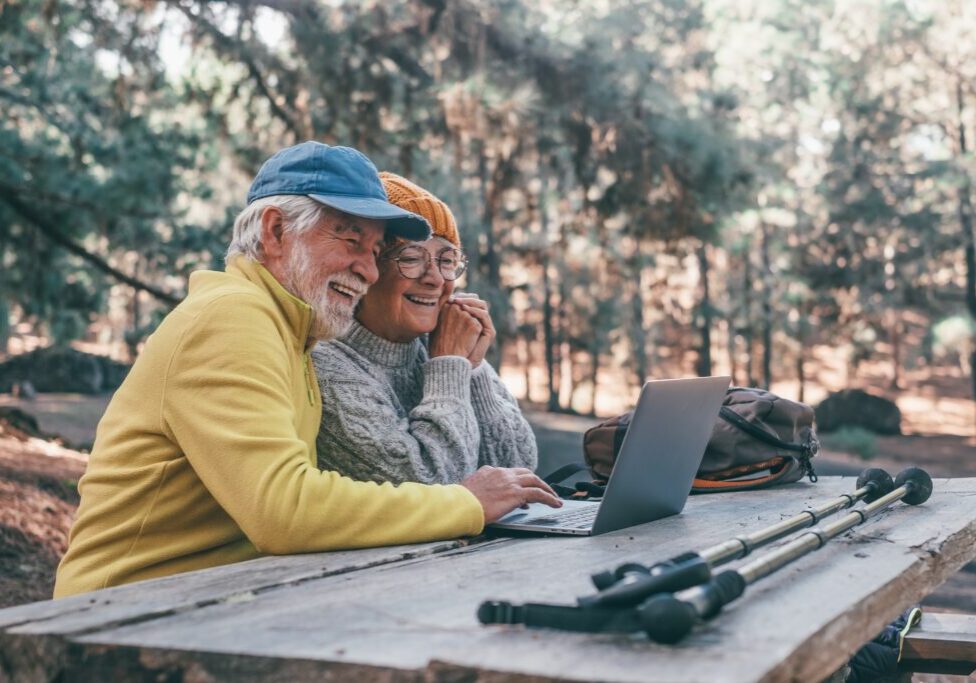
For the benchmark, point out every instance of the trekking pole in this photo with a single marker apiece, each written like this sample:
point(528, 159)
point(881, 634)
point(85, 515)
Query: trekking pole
point(613, 610)
point(632, 583)
point(669, 618)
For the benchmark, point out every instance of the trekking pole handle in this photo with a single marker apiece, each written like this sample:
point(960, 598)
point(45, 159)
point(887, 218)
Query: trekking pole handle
point(666, 577)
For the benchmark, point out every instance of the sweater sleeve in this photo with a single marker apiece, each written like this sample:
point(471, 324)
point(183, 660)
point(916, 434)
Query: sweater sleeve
point(507, 439)
point(364, 435)
point(228, 404)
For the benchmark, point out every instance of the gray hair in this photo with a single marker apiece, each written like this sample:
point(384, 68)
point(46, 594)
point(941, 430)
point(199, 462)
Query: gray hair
point(300, 214)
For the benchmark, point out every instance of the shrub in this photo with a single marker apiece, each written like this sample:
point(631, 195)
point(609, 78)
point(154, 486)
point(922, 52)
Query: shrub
point(857, 440)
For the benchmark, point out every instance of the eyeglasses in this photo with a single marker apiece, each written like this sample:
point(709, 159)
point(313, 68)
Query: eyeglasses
point(413, 262)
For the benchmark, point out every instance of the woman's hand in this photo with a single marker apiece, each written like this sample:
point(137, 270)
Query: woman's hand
point(477, 308)
point(457, 332)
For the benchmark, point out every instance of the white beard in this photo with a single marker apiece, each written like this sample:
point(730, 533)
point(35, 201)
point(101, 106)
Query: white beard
point(330, 318)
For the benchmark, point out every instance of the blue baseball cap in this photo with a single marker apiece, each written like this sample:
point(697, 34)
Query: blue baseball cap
point(339, 177)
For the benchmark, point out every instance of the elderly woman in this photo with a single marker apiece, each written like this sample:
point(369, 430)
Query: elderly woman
point(406, 392)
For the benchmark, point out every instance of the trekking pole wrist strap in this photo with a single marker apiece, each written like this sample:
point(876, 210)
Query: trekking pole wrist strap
point(562, 617)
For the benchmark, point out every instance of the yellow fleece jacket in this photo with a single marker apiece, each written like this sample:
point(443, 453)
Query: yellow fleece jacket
point(206, 453)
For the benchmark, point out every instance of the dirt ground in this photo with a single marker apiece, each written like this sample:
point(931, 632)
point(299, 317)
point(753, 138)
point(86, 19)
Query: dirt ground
point(38, 498)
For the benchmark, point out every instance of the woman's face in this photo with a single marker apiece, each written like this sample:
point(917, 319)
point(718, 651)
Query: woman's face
point(398, 308)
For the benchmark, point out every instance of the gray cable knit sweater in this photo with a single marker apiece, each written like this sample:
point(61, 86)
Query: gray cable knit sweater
point(392, 413)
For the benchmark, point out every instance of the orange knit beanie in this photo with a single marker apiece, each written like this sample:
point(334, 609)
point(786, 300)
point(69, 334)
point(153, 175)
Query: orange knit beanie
point(416, 199)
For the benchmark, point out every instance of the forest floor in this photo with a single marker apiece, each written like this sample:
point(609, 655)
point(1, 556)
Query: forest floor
point(38, 498)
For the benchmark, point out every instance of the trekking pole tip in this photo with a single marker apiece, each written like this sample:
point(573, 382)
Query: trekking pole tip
point(879, 480)
point(919, 485)
point(666, 619)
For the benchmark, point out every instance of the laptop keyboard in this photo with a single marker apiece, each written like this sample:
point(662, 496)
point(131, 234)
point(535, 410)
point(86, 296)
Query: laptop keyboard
point(581, 517)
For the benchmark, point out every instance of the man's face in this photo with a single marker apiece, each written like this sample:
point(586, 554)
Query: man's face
point(330, 266)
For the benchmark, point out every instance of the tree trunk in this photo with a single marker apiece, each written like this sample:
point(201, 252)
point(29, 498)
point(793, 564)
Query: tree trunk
point(705, 351)
point(747, 328)
point(767, 308)
point(638, 333)
point(549, 335)
point(801, 338)
point(801, 392)
point(966, 223)
point(896, 332)
point(567, 372)
point(132, 340)
point(548, 315)
point(526, 360)
point(594, 378)
point(4, 327)
point(561, 347)
point(489, 255)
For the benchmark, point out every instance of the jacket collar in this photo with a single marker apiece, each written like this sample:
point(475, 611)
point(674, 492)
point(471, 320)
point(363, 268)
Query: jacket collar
point(296, 312)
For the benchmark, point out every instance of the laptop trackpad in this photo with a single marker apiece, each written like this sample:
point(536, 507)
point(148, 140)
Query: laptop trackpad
point(537, 513)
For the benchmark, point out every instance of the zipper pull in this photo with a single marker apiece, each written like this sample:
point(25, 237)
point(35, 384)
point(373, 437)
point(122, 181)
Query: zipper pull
point(308, 379)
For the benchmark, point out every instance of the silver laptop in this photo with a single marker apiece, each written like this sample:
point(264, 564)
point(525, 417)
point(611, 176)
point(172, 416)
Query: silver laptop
point(655, 467)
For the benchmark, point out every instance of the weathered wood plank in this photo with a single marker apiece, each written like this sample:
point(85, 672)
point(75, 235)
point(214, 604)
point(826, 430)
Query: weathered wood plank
point(417, 617)
point(151, 599)
point(47, 655)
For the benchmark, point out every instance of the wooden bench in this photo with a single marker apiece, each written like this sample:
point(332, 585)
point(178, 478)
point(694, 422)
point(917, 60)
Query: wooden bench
point(942, 643)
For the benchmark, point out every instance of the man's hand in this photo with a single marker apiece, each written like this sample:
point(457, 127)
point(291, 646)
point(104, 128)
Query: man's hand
point(479, 309)
point(500, 490)
point(456, 333)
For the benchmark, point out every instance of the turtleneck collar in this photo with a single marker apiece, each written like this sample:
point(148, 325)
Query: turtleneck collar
point(377, 349)
point(296, 312)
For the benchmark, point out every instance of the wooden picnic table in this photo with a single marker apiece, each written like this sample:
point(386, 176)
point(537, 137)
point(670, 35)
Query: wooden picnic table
point(408, 613)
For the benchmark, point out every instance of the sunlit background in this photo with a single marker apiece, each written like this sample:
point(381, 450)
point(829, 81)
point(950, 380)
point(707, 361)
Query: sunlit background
point(773, 189)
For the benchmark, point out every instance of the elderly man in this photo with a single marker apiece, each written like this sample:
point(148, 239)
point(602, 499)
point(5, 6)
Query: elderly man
point(206, 454)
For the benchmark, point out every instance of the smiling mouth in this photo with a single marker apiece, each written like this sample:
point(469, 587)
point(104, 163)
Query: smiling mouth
point(421, 300)
point(346, 292)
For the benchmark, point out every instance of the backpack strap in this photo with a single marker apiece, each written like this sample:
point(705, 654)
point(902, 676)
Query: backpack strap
point(752, 430)
point(564, 472)
point(584, 490)
point(559, 475)
point(805, 451)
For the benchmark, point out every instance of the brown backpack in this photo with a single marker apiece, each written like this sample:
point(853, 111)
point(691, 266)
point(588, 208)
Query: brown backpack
point(760, 439)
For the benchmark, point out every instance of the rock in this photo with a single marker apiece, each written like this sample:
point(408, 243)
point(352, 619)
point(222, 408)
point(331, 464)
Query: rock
point(62, 369)
point(857, 408)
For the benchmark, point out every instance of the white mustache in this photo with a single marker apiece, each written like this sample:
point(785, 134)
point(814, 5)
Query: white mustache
point(358, 288)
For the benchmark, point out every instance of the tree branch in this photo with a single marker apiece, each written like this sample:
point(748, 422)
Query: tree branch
point(228, 45)
point(376, 45)
point(54, 198)
point(57, 237)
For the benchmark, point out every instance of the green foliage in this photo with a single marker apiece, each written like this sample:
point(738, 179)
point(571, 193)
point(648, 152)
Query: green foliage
point(89, 152)
point(857, 440)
